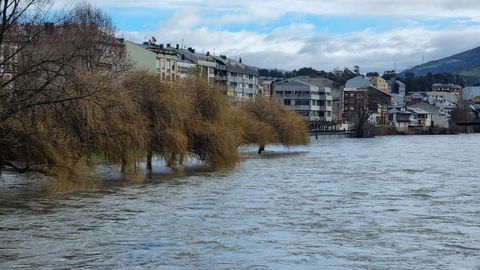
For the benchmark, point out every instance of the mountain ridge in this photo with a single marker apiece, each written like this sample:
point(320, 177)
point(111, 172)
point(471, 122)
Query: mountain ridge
point(465, 64)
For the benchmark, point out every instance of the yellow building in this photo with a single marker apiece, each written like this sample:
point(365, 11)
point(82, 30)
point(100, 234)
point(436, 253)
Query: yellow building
point(381, 84)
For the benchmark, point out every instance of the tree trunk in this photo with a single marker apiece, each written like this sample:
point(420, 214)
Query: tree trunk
point(123, 168)
point(261, 148)
point(149, 159)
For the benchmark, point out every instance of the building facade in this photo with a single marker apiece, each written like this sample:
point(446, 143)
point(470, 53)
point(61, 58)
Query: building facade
point(239, 81)
point(381, 84)
point(312, 102)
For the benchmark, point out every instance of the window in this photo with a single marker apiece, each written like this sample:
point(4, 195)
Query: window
point(329, 103)
point(287, 102)
point(321, 103)
point(302, 102)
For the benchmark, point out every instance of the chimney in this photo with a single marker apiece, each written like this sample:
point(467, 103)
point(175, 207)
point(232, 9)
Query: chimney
point(178, 46)
point(193, 50)
point(161, 46)
point(168, 45)
point(240, 60)
point(208, 53)
point(223, 56)
point(189, 49)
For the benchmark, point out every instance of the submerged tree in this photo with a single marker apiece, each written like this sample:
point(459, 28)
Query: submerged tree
point(213, 132)
point(269, 122)
point(166, 109)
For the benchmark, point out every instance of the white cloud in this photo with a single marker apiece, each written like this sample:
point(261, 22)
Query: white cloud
point(273, 9)
point(298, 45)
point(205, 25)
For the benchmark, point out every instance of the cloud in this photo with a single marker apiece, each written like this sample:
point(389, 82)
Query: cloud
point(284, 34)
point(273, 9)
point(298, 45)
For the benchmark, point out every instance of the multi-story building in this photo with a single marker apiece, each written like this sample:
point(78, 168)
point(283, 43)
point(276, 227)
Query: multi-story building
point(359, 102)
point(312, 102)
point(204, 63)
point(239, 81)
point(154, 58)
point(336, 94)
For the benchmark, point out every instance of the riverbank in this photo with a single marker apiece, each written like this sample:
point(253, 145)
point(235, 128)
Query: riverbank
point(389, 130)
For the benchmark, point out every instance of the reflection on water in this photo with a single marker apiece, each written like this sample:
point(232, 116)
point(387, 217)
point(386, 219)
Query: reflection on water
point(383, 203)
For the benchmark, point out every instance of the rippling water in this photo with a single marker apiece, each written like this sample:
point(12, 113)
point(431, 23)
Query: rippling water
point(383, 203)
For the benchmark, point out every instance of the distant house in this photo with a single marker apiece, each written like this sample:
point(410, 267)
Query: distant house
point(312, 102)
point(399, 117)
point(415, 97)
point(381, 84)
point(265, 87)
point(438, 119)
point(420, 118)
point(397, 90)
point(446, 87)
point(403, 117)
point(446, 101)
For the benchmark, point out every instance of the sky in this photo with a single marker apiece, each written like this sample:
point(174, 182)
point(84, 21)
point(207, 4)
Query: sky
point(376, 35)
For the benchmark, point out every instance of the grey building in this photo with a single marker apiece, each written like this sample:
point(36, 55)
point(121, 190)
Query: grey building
point(240, 81)
point(336, 93)
point(203, 62)
point(312, 102)
point(397, 90)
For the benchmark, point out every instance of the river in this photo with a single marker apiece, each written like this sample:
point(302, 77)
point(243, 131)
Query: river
point(394, 202)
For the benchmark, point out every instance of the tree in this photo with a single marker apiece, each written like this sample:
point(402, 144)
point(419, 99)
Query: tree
point(372, 74)
point(49, 72)
point(389, 74)
point(213, 129)
point(269, 122)
point(167, 109)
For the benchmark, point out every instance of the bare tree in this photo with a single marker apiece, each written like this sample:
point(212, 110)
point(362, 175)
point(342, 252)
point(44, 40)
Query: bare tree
point(43, 63)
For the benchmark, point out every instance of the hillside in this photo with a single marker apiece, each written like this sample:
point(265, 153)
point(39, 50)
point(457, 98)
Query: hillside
point(466, 64)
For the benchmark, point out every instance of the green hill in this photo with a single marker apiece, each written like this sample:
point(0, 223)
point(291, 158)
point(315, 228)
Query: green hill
point(466, 64)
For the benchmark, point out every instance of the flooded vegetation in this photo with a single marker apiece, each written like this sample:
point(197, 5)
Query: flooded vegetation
point(389, 202)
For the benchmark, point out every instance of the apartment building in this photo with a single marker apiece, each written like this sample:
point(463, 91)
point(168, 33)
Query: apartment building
point(239, 81)
point(312, 102)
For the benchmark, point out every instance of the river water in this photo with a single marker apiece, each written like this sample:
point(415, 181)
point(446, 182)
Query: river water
point(399, 202)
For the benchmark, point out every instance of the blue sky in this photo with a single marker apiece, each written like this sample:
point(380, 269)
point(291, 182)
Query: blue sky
point(374, 34)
